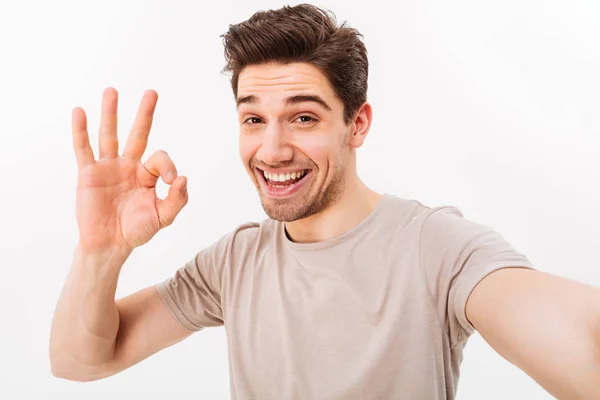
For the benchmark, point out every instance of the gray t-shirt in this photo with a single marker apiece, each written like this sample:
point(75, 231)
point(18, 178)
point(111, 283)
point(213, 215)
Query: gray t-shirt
point(376, 313)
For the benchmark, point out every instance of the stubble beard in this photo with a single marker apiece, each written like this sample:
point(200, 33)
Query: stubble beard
point(304, 206)
point(314, 202)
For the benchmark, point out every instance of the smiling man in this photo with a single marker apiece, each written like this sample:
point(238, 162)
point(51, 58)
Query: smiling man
point(342, 292)
point(298, 146)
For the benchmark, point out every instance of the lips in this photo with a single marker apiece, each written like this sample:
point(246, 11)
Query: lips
point(281, 185)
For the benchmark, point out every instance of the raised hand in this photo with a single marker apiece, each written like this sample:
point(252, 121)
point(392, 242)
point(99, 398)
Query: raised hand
point(117, 205)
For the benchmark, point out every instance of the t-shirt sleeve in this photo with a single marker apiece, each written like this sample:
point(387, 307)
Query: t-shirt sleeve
point(193, 293)
point(455, 255)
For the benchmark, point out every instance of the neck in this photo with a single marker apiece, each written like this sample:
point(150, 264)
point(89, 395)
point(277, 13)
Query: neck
point(355, 203)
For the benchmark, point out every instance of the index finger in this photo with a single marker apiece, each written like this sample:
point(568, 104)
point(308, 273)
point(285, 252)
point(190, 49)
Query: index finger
point(138, 137)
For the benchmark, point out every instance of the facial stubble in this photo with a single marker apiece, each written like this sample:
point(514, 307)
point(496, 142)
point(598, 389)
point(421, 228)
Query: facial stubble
point(316, 201)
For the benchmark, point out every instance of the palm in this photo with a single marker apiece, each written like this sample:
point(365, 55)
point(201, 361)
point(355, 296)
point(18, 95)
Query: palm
point(119, 196)
point(116, 196)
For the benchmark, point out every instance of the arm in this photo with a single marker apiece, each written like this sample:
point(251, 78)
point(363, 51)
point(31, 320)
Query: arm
point(117, 210)
point(546, 325)
point(93, 336)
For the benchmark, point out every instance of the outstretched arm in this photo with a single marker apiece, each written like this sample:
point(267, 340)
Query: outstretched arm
point(546, 325)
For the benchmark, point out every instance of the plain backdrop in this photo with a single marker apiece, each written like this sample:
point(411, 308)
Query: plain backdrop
point(492, 107)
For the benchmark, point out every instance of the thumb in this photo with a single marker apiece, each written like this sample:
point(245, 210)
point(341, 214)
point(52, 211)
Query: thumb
point(176, 199)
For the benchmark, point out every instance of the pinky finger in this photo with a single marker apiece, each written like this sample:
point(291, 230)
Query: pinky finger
point(173, 203)
point(81, 141)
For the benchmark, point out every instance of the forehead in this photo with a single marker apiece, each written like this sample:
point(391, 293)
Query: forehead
point(283, 79)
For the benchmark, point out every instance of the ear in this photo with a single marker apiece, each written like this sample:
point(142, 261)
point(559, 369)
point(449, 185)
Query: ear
point(361, 125)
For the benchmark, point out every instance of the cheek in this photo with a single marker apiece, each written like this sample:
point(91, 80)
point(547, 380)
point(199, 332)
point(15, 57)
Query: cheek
point(248, 146)
point(320, 148)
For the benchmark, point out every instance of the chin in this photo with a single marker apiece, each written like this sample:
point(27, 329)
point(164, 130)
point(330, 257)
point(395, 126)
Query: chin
point(300, 202)
point(285, 211)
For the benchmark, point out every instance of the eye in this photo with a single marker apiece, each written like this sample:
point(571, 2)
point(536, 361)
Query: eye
point(305, 119)
point(253, 121)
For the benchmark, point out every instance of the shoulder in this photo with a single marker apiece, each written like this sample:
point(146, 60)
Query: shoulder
point(246, 236)
point(447, 225)
point(436, 230)
point(416, 217)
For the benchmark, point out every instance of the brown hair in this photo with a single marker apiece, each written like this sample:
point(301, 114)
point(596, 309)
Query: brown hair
point(302, 33)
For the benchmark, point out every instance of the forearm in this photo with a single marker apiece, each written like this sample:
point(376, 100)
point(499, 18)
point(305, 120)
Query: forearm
point(586, 374)
point(578, 354)
point(593, 388)
point(589, 386)
point(86, 320)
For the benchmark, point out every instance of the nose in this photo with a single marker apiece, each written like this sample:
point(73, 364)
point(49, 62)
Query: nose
point(275, 148)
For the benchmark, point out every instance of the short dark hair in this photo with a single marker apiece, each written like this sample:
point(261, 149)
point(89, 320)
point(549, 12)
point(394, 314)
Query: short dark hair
point(302, 33)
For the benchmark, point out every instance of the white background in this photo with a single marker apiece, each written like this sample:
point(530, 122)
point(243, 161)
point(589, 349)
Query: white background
point(489, 106)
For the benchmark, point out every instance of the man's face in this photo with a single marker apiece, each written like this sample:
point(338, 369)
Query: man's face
point(293, 139)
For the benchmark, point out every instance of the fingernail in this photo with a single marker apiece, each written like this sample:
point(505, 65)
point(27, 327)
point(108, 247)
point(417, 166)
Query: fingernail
point(184, 187)
point(170, 175)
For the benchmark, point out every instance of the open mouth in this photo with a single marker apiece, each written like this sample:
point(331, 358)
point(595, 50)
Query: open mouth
point(283, 181)
point(283, 185)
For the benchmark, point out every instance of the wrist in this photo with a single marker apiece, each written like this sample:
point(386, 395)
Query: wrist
point(107, 258)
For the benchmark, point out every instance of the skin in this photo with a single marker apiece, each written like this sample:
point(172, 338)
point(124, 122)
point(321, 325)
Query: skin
point(277, 136)
point(93, 336)
point(545, 325)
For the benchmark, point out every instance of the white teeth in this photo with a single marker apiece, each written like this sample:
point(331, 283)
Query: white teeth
point(284, 177)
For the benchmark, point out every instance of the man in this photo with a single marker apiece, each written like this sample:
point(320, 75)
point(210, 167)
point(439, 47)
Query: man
point(342, 293)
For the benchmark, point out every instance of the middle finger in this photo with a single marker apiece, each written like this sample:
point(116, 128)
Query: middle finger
point(109, 142)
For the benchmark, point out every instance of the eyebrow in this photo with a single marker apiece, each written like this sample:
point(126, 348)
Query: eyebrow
point(288, 100)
